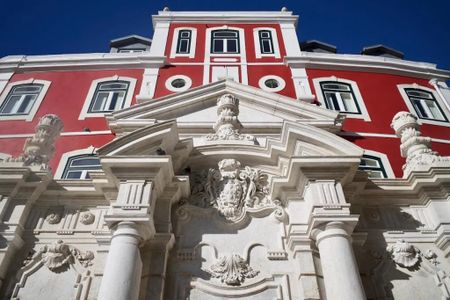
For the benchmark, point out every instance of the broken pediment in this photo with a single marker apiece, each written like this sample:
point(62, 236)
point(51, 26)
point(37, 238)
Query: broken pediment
point(195, 110)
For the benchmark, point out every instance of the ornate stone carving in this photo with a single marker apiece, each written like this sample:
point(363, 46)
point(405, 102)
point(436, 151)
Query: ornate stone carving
point(414, 147)
point(53, 218)
point(39, 149)
point(232, 270)
point(59, 255)
point(404, 254)
point(230, 189)
point(87, 218)
point(227, 126)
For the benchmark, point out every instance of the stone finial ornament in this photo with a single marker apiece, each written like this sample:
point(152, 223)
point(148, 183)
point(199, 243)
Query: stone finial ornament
point(232, 270)
point(414, 147)
point(39, 149)
point(228, 127)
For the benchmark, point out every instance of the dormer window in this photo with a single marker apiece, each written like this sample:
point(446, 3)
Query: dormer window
point(184, 41)
point(225, 41)
point(266, 42)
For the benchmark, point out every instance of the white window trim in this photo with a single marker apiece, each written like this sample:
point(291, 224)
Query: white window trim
point(359, 99)
point(87, 102)
point(276, 47)
point(209, 31)
point(66, 156)
point(171, 88)
point(281, 82)
point(384, 160)
point(173, 49)
point(402, 87)
point(29, 117)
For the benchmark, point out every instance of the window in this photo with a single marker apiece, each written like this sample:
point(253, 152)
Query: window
point(272, 83)
point(373, 166)
point(21, 99)
point(178, 83)
point(341, 95)
point(184, 41)
point(136, 50)
point(78, 167)
point(425, 105)
point(225, 41)
point(265, 42)
point(107, 95)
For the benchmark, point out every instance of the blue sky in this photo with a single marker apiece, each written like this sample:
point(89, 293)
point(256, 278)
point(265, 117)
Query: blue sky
point(419, 28)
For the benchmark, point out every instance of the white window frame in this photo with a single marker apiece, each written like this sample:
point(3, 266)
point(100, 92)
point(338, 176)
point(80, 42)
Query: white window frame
point(89, 98)
point(276, 48)
point(439, 101)
point(384, 160)
point(171, 88)
point(241, 40)
point(173, 48)
point(66, 156)
point(281, 83)
point(28, 117)
point(358, 97)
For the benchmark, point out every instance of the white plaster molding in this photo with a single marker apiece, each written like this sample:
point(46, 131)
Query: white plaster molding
point(192, 46)
point(301, 85)
point(280, 87)
point(30, 116)
point(384, 160)
point(66, 156)
point(170, 87)
point(89, 98)
point(148, 86)
point(440, 102)
point(290, 39)
point(214, 17)
point(4, 79)
point(313, 60)
point(359, 99)
point(276, 47)
point(70, 62)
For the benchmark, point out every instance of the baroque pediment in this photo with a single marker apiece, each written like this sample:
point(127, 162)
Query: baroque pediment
point(195, 110)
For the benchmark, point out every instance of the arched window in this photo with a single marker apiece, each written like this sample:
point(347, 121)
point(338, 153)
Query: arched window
point(425, 105)
point(339, 96)
point(109, 96)
point(78, 167)
point(225, 41)
point(373, 166)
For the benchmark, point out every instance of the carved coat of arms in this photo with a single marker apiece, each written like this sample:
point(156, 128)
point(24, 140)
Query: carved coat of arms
point(230, 189)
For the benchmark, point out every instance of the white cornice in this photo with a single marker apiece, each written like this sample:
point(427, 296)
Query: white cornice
point(21, 63)
point(366, 63)
point(225, 17)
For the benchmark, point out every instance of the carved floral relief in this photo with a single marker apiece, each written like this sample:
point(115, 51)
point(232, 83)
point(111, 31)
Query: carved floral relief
point(232, 269)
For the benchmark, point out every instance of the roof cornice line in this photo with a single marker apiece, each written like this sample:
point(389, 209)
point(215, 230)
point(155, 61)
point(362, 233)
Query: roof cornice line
point(79, 61)
point(362, 62)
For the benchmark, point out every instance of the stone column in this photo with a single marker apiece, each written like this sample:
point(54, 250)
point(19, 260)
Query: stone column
point(122, 273)
point(340, 271)
point(331, 226)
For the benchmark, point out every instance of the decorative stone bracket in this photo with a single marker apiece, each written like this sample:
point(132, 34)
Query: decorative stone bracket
point(231, 269)
point(414, 147)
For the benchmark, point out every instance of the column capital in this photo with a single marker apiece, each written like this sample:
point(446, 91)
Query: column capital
point(139, 231)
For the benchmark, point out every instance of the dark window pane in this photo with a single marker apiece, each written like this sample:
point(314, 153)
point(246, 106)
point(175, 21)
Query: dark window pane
point(86, 162)
point(218, 46)
point(74, 175)
point(8, 107)
point(232, 46)
point(26, 103)
point(266, 46)
point(183, 48)
point(113, 103)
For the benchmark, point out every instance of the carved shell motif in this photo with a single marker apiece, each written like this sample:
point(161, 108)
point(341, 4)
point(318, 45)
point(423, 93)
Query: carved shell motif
point(232, 270)
point(404, 254)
